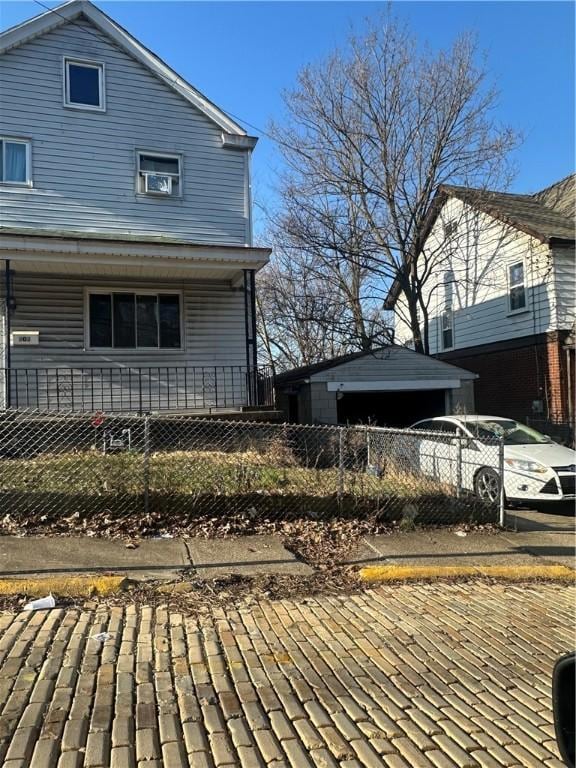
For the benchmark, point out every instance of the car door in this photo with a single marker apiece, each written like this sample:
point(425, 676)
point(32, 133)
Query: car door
point(423, 448)
point(437, 452)
point(446, 449)
point(477, 451)
point(471, 457)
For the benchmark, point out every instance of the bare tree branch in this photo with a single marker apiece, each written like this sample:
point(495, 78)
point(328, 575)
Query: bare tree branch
point(370, 135)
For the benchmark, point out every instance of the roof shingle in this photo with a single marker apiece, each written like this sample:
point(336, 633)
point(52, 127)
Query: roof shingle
point(547, 215)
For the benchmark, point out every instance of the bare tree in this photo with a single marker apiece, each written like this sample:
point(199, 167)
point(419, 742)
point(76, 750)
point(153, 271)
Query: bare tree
point(333, 240)
point(306, 314)
point(370, 134)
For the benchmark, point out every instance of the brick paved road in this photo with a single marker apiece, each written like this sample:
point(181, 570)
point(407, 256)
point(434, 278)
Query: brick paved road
point(404, 677)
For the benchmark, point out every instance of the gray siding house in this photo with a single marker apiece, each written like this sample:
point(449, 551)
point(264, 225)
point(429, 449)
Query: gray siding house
point(126, 256)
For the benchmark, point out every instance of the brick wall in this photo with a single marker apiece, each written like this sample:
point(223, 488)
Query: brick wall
point(512, 377)
point(556, 381)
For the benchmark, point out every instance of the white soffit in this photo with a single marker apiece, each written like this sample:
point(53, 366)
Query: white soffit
point(392, 386)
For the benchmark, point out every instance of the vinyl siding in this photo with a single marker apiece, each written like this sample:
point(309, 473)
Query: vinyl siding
point(479, 258)
point(564, 266)
point(394, 364)
point(213, 328)
point(213, 318)
point(83, 163)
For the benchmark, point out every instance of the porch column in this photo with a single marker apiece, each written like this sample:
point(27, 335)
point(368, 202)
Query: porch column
point(5, 351)
point(251, 342)
point(250, 317)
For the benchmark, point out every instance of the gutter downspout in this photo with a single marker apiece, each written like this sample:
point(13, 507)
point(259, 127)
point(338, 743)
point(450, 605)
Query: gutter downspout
point(7, 353)
point(569, 387)
point(250, 331)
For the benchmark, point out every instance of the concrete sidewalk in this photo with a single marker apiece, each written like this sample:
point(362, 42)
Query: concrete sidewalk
point(151, 559)
point(447, 548)
point(252, 555)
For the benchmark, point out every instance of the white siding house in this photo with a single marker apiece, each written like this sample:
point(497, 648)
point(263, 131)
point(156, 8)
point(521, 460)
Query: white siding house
point(501, 296)
point(125, 226)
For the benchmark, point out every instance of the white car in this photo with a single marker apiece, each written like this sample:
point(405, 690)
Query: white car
point(536, 469)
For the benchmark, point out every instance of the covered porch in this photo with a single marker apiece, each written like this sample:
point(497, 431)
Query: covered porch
point(133, 325)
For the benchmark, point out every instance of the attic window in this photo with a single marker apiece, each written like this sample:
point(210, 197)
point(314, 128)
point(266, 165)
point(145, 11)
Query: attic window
point(450, 228)
point(84, 85)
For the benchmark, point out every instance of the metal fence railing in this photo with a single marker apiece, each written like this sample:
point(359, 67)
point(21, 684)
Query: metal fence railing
point(135, 389)
point(56, 467)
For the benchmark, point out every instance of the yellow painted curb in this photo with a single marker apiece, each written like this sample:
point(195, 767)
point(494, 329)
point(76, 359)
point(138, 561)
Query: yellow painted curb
point(376, 573)
point(63, 586)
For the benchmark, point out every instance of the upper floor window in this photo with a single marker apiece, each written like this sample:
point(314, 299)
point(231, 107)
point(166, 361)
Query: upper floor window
point(447, 316)
point(84, 85)
point(15, 161)
point(516, 287)
point(447, 329)
point(448, 288)
point(158, 174)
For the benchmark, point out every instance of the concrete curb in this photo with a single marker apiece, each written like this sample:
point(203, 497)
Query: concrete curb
point(63, 586)
point(385, 573)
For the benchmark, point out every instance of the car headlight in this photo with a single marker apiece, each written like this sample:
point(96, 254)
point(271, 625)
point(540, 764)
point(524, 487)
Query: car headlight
point(526, 466)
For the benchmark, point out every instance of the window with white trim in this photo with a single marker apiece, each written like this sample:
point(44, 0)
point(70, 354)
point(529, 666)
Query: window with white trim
point(447, 316)
point(125, 320)
point(516, 287)
point(447, 328)
point(84, 85)
point(15, 166)
point(158, 174)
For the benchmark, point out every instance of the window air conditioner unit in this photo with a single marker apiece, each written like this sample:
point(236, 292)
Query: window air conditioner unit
point(157, 184)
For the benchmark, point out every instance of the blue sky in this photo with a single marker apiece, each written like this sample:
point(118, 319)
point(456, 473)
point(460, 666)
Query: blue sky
point(242, 54)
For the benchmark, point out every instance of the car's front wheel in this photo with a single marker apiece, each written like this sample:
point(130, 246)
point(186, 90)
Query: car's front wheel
point(487, 485)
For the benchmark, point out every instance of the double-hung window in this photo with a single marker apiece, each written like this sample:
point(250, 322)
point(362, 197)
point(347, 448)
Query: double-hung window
point(447, 329)
point(126, 320)
point(84, 85)
point(447, 316)
point(516, 287)
point(15, 166)
point(158, 174)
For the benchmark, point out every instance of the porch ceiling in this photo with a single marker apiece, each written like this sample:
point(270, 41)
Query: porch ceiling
point(128, 258)
point(227, 273)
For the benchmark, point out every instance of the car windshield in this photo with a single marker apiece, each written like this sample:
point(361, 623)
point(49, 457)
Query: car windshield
point(513, 432)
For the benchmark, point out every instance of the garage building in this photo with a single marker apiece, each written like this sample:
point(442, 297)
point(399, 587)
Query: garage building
point(390, 386)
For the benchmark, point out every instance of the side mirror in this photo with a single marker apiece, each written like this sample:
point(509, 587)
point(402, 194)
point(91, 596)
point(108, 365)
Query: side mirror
point(564, 705)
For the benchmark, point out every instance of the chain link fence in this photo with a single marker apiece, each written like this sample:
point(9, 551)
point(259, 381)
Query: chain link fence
point(174, 473)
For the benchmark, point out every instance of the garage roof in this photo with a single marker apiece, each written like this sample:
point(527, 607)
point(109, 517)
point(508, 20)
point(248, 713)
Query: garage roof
point(391, 361)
